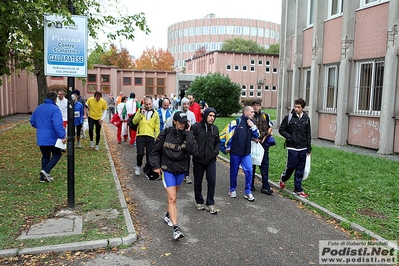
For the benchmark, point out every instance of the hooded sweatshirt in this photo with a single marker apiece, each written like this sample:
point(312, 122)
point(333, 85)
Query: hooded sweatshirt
point(207, 138)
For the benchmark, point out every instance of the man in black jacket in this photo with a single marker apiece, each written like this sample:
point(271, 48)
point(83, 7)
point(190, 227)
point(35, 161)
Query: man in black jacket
point(295, 128)
point(206, 135)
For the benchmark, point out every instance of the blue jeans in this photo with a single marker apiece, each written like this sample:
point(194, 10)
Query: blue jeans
point(246, 164)
point(264, 168)
point(48, 161)
point(296, 161)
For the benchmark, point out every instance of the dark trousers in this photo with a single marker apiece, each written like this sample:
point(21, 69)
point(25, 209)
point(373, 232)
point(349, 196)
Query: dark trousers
point(50, 157)
point(143, 142)
point(93, 122)
point(264, 168)
point(188, 165)
point(198, 171)
point(111, 112)
point(296, 161)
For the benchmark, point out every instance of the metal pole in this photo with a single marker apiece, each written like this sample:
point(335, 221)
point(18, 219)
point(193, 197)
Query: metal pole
point(71, 133)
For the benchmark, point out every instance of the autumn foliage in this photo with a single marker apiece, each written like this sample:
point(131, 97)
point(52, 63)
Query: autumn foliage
point(119, 58)
point(153, 59)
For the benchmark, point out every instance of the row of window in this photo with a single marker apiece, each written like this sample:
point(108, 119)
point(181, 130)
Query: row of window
point(253, 93)
point(127, 81)
point(335, 8)
point(236, 30)
point(251, 68)
point(208, 46)
point(369, 85)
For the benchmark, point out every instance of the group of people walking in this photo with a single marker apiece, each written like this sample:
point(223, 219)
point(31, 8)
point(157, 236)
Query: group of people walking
point(170, 140)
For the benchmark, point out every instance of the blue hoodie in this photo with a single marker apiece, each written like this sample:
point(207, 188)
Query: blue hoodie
point(47, 119)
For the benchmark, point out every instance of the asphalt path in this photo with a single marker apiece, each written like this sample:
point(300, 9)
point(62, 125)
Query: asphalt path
point(272, 230)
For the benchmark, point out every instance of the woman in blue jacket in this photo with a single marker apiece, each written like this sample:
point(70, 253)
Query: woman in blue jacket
point(47, 119)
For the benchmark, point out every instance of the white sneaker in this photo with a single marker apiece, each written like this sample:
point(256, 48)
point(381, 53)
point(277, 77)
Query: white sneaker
point(233, 194)
point(91, 144)
point(187, 180)
point(137, 170)
point(96, 148)
point(249, 197)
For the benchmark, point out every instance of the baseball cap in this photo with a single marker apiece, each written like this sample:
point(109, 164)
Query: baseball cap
point(180, 117)
point(256, 101)
point(77, 92)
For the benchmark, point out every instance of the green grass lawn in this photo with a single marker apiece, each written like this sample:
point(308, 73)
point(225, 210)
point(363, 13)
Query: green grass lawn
point(24, 201)
point(361, 188)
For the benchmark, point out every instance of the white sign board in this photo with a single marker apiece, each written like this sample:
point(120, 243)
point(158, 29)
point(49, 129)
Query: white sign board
point(65, 46)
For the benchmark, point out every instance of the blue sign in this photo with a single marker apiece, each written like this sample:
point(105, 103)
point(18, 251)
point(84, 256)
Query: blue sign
point(65, 46)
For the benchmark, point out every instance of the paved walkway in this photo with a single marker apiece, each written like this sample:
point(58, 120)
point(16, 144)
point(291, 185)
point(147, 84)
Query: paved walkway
point(273, 230)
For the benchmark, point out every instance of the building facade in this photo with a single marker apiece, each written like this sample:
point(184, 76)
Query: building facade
point(342, 58)
point(19, 93)
point(257, 74)
point(186, 37)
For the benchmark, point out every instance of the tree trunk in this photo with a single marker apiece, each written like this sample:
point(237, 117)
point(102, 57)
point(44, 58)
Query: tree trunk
point(41, 85)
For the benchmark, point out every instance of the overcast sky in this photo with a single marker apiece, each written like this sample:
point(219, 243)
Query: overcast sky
point(160, 14)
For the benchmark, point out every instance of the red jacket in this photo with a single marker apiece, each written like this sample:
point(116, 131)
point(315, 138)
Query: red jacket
point(196, 109)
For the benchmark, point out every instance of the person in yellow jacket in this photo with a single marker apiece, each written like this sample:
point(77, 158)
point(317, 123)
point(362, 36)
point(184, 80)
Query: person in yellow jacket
point(97, 113)
point(148, 127)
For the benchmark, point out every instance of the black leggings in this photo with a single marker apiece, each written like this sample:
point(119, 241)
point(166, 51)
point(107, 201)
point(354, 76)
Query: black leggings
point(93, 122)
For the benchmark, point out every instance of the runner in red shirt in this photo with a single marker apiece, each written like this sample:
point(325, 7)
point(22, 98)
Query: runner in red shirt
point(195, 107)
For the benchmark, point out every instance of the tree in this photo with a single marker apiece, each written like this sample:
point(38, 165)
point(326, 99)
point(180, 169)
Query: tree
point(22, 28)
point(119, 58)
point(241, 45)
point(151, 59)
point(274, 49)
point(218, 91)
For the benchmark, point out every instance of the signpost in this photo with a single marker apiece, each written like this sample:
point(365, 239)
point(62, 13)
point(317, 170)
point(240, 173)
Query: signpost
point(65, 54)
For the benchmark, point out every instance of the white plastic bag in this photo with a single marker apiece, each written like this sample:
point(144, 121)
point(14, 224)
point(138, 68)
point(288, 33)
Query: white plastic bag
point(306, 172)
point(124, 129)
point(85, 125)
point(257, 153)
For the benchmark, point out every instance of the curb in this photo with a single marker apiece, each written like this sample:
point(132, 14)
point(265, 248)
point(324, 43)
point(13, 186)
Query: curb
point(321, 209)
point(87, 245)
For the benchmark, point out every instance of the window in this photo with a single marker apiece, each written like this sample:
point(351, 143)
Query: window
point(185, 47)
point(267, 33)
point(180, 48)
point(213, 46)
point(56, 78)
point(206, 46)
point(245, 30)
point(370, 2)
point(92, 78)
point(191, 31)
point(236, 67)
point(277, 35)
point(243, 90)
point(334, 8)
point(185, 32)
point(149, 86)
point(252, 69)
point(274, 88)
point(230, 30)
point(251, 93)
point(105, 89)
point(267, 63)
point(306, 90)
point(192, 46)
point(105, 78)
point(267, 69)
point(127, 81)
point(310, 14)
point(238, 30)
point(220, 44)
point(330, 89)
point(214, 30)
point(205, 30)
point(259, 91)
point(91, 88)
point(244, 68)
point(138, 81)
point(222, 29)
point(176, 34)
point(260, 62)
point(260, 32)
point(198, 31)
point(267, 87)
point(198, 46)
point(275, 69)
point(370, 80)
point(253, 31)
point(251, 87)
point(228, 67)
point(180, 33)
point(252, 62)
point(160, 86)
